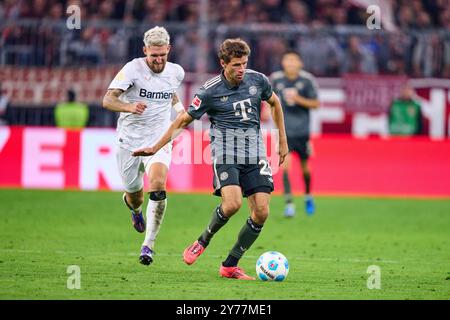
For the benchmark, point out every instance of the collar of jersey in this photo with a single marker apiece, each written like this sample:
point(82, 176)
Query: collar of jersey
point(227, 83)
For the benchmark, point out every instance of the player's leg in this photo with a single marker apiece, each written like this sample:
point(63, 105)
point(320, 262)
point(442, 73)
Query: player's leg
point(226, 184)
point(157, 168)
point(289, 210)
point(305, 152)
point(131, 172)
point(156, 209)
point(259, 211)
point(257, 184)
point(231, 203)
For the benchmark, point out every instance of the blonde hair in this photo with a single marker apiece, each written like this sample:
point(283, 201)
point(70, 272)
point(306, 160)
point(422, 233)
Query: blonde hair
point(157, 36)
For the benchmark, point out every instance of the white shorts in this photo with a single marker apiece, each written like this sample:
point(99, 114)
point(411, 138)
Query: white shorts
point(132, 169)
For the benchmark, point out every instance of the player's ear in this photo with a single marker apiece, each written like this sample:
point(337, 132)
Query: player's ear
point(168, 48)
point(222, 63)
point(144, 49)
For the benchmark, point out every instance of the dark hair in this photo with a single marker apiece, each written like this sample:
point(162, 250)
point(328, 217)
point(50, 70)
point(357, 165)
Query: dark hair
point(233, 48)
point(291, 51)
point(71, 95)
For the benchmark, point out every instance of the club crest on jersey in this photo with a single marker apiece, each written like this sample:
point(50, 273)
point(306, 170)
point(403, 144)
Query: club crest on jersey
point(299, 85)
point(252, 90)
point(196, 102)
point(224, 176)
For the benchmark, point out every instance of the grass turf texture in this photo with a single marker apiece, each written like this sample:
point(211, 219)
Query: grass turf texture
point(43, 232)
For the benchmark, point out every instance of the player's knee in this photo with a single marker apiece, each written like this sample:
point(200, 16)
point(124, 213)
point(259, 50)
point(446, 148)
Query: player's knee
point(306, 172)
point(157, 183)
point(230, 207)
point(261, 212)
point(158, 195)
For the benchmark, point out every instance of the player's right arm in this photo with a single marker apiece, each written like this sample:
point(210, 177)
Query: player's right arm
point(182, 121)
point(112, 102)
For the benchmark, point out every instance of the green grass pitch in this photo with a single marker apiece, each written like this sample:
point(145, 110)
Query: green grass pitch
point(44, 232)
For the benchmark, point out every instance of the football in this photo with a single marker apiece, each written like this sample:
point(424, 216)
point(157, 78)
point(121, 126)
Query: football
point(272, 266)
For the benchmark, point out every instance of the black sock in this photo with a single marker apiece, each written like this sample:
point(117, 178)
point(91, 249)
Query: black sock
point(247, 236)
point(218, 220)
point(230, 261)
point(287, 187)
point(307, 181)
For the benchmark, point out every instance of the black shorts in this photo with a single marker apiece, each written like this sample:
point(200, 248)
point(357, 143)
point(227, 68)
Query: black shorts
point(252, 178)
point(301, 145)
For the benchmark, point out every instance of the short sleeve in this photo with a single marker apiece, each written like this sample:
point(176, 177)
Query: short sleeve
point(199, 105)
point(124, 79)
point(266, 88)
point(180, 74)
point(312, 89)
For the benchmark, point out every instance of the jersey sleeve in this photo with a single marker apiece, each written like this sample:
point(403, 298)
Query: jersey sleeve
point(199, 105)
point(312, 89)
point(266, 88)
point(124, 79)
point(180, 74)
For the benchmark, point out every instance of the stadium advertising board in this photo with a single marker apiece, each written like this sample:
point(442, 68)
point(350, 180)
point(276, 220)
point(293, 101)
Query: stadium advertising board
point(52, 158)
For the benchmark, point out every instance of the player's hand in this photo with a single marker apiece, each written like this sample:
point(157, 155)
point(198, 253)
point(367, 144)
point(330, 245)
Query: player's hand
point(144, 152)
point(283, 150)
point(137, 108)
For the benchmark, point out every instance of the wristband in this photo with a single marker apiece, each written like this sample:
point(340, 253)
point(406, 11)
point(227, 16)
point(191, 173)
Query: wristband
point(178, 106)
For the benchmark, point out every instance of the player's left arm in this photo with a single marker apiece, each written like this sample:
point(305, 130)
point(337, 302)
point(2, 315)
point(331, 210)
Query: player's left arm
point(278, 118)
point(310, 99)
point(305, 102)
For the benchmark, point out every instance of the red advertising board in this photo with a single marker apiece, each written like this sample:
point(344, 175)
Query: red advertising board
point(51, 158)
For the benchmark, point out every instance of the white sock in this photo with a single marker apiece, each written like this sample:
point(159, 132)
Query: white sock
point(155, 216)
point(137, 210)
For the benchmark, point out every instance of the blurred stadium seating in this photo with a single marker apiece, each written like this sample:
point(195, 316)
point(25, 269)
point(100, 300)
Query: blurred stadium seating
point(331, 35)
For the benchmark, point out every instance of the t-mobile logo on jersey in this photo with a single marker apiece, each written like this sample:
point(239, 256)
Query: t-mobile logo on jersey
point(239, 108)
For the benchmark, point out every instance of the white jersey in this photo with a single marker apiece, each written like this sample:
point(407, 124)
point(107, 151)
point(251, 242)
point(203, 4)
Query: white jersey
point(156, 90)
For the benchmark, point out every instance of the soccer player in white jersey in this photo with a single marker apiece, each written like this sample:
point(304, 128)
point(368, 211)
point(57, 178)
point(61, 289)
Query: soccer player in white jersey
point(144, 92)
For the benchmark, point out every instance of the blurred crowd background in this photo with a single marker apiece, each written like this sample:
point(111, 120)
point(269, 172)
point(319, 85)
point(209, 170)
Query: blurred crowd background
point(331, 35)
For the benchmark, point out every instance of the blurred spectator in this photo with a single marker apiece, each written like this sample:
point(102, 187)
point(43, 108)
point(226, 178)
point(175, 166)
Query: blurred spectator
point(186, 48)
point(296, 12)
point(273, 8)
point(71, 114)
point(269, 53)
point(9, 9)
point(405, 116)
point(358, 59)
point(56, 12)
point(405, 17)
point(87, 49)
point(4, 103)
point(44, 40)
point(321, 52)
point(429, 56)
point(399, 53)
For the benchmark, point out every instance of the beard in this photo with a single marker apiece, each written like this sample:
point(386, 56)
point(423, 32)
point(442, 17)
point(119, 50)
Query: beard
point(157, 67)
